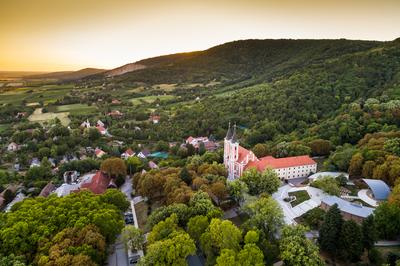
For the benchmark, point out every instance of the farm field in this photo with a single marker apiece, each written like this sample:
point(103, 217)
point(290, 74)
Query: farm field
point(40, 117)
point(150, 99)
point(78, 109)
point(45, 94)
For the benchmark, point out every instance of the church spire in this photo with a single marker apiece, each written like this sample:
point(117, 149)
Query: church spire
point(229, 133)
point(234, 138)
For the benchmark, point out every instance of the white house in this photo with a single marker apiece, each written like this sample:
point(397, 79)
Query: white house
point(238, 159)
point(85, 124)
point(13, 147)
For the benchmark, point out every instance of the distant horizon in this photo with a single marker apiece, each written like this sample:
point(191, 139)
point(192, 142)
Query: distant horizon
point(64, 35)
point(106, 69)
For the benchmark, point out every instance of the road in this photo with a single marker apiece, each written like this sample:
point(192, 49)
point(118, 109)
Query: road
point(118, 255)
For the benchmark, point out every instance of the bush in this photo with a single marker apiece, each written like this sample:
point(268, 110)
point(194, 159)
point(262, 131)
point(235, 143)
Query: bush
point(328, 184)
point(375, 257)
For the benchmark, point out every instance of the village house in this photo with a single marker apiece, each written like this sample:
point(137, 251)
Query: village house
point(115, 113)
point(100, 123)
point(238, 159)
point(99, 153)
point(127, 154)
point(144, 154)
point(102, 130)
point(154, 118)
point(198, 141)
point(13, 147)
point(85, 124)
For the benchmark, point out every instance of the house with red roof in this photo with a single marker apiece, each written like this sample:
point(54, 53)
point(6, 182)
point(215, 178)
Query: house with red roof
point(98, 183)
point(128, 153)
point(99, 152)
point(102, 130)
point(197, 141)
point(238, 159)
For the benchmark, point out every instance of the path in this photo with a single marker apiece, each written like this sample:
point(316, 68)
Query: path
point(289, 212)
point(118, 257)
point(362, 194)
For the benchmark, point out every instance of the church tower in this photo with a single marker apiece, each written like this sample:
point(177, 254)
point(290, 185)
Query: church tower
point(231, 152)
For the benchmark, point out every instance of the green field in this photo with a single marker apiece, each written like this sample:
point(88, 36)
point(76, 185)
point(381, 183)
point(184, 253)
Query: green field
point(78, 109)
point(40, 117)
point(150, 99)
point(45, 94)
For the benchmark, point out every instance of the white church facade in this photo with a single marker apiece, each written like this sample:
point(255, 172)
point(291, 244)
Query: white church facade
point(237, 159)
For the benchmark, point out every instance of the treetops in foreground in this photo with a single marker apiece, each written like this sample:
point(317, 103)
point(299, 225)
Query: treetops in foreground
point(63, 231)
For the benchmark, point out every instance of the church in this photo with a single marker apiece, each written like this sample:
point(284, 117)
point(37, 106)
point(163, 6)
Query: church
point(238, 159)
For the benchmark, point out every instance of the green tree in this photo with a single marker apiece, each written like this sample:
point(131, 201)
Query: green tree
point(356, 166)
point(237, 189)
point(185, 176)
point(225, 235)
point(329, 234)
point(113, 167)
point(116, 198)
point(260, 150)
point(170, 251)
point(134, 164)
point(227, 258)
point(296, 249)
point(350, 241)
point(328, 184)
point(133, 238)
point(163, 229)
point(393, 146)
point(387, 219)
point(196, 226)
point(369, 232)
point(265, 215)
point(265, 182)
point(320, 147)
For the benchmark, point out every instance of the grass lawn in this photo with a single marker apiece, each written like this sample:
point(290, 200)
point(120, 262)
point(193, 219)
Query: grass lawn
point(150, 99)
point(301, 196)
point(141, 214)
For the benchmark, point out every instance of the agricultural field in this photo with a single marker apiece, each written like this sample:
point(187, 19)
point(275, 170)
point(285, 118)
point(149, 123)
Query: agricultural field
point(150, 99)
point(75, 109)
point(39, 116)
point(45, 94)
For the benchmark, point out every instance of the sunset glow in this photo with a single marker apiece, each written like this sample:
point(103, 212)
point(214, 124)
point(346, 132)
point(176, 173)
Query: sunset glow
point(48, 35)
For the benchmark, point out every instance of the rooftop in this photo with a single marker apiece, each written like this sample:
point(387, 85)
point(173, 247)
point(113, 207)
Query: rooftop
point(348, 207)
point(379, 188)
point(275, 163)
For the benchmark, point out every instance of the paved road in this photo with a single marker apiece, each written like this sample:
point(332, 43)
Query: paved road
point(118, 255)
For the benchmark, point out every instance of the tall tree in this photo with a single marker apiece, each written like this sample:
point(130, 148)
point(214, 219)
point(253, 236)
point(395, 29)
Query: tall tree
point(171, 251)
point(350, 241)
point(330, 231)
point(114, 167)
point(369, 232)
point(296, 249)
point(265, 182)
point(133, 238)
point(265, 215)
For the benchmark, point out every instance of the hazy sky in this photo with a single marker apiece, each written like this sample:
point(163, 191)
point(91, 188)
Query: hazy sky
point(55, 35)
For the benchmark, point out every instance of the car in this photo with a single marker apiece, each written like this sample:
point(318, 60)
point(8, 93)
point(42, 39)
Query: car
point(134, 259)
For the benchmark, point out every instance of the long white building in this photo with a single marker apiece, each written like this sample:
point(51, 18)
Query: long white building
point(237, 159)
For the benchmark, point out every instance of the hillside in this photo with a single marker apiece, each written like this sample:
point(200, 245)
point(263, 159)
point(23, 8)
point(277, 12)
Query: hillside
point(67, 75)
point(305, 95)
point(240, 60)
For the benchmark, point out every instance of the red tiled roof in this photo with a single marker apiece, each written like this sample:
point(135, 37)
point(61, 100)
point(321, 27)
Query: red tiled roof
point(189, 139)
point(129, 152)
point(242, 154)
point(98, 184)
point(100, 128)
point(98, 151)
point(272, 162)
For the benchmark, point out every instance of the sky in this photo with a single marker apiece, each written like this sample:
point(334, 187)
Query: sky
point(55, 35)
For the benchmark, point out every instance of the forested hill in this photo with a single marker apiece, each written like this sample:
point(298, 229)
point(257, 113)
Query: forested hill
point(240, 60)
point(311, 98)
